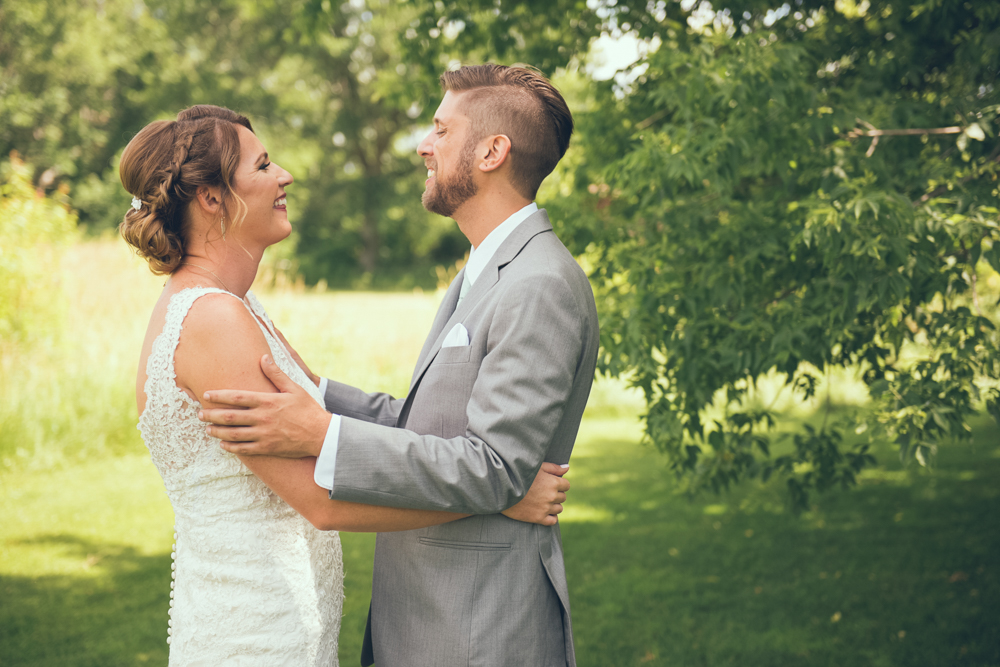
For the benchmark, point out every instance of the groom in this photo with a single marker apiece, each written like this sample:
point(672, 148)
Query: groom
point(499, 389)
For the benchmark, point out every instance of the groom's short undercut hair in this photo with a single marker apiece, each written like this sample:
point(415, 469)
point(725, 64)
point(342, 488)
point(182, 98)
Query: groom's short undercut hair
point(521, 103)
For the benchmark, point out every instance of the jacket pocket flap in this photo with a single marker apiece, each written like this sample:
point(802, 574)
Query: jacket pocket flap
point(471, 546)
point(453, 355)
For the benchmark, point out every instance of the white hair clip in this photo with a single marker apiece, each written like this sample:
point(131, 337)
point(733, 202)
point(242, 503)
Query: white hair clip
point(136, 203)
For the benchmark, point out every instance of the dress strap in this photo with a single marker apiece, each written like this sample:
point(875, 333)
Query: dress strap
point(161, 358)
point(258, 309)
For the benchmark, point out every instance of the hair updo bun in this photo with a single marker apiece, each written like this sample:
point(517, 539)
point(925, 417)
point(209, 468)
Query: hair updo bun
point(163, 167)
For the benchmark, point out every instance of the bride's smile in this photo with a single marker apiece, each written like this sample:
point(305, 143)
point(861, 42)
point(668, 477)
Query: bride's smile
point(260, 184)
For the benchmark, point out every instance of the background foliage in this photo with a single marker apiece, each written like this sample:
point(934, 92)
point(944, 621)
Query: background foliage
point(35, 230)
point(769, 196)
point(742, 223)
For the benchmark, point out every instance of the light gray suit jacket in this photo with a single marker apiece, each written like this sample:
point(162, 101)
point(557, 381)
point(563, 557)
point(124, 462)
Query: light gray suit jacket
point(469, 437)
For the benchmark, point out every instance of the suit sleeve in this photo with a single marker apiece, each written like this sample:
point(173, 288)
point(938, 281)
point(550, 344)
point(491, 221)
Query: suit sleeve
point(534, 353)
point(376, 408)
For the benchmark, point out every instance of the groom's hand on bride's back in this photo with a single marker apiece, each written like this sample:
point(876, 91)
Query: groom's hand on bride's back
point(289, 423)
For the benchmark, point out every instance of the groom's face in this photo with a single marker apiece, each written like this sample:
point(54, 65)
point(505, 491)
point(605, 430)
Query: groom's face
point(449, 153)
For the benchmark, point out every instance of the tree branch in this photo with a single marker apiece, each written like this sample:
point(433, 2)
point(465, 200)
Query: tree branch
point(875, 133)
point(643, 124)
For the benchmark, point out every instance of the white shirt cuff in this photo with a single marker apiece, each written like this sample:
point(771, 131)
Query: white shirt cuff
point(322, 390)
point(326, 462)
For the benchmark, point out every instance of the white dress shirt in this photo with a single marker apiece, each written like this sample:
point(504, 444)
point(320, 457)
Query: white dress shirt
point(326, 462)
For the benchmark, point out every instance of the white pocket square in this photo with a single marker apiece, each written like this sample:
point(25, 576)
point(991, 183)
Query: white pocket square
point(457, 337)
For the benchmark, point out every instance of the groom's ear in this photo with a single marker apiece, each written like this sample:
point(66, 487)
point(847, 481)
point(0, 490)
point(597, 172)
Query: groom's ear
point(494, 151)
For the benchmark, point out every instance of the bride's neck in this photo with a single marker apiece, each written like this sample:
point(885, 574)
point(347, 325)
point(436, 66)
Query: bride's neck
point(225, 264)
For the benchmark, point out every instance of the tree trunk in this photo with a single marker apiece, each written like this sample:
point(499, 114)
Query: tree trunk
point(370, 236)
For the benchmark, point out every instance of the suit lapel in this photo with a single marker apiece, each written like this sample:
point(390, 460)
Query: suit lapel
point(535, 224)
point(444, 313)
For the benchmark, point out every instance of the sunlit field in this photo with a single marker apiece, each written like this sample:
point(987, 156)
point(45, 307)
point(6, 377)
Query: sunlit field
point(900, 571)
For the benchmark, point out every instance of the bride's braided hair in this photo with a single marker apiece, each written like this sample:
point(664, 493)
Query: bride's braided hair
point(163, 167)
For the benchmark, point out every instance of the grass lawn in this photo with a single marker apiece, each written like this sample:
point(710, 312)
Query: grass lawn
point(903, 570)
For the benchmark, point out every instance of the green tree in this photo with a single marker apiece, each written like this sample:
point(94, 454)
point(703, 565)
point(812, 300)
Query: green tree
point(357, 129)
point(325, 85)
point(72, 81)
point(372, 70)
point(749, 207)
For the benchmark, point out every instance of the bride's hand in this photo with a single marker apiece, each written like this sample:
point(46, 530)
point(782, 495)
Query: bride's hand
point(545, 497)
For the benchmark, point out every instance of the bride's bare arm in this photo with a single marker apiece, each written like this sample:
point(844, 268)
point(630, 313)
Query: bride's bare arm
point(220, 346)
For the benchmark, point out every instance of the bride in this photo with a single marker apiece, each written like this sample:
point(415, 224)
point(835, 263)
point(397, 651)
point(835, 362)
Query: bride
point(257, 581)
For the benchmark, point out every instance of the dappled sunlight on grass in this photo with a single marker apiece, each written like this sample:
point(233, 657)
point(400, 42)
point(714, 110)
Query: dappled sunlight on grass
point(875, 475)
point(839, 387)
point(581, 513)
point(612, 397)
point(737, 579)
point(85, 564)
point(598, 436)
point(118, 500)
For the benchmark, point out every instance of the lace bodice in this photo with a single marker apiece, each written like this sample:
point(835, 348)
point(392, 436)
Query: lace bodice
point(254, 582)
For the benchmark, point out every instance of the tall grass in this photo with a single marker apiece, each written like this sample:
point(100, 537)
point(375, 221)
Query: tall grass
point(33, 231)
point(71, 395)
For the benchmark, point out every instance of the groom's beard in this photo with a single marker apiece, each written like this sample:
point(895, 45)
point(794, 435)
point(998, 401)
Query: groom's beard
point(446, 196)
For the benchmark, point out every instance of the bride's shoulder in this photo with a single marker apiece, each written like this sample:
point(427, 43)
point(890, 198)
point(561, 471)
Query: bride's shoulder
point(218, 317)
point(201, 300)
point(219, 333)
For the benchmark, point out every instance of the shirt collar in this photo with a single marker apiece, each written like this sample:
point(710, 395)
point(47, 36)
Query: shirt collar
point(481, 256)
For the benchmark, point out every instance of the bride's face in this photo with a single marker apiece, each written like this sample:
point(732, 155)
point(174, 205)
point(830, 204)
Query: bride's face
point(261, 184)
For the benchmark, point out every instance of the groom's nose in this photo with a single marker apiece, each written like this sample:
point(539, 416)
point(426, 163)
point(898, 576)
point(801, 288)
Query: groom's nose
point(426, 147)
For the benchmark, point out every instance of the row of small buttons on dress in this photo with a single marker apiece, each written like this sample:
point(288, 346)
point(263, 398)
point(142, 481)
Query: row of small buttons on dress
point(173, 572)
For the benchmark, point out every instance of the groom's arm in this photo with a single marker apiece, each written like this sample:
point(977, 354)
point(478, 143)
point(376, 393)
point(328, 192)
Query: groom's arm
point(538, 339)
point(344, 399)
point(377, 408)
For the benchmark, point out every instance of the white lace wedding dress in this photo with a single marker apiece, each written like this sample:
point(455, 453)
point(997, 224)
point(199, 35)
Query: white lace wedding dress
point(255, 584)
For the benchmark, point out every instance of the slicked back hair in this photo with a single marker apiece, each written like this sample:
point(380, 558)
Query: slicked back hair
point(521, 103)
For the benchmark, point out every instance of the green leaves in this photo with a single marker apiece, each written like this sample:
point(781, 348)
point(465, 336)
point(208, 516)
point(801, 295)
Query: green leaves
point(992, 255)
point(755, 236)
